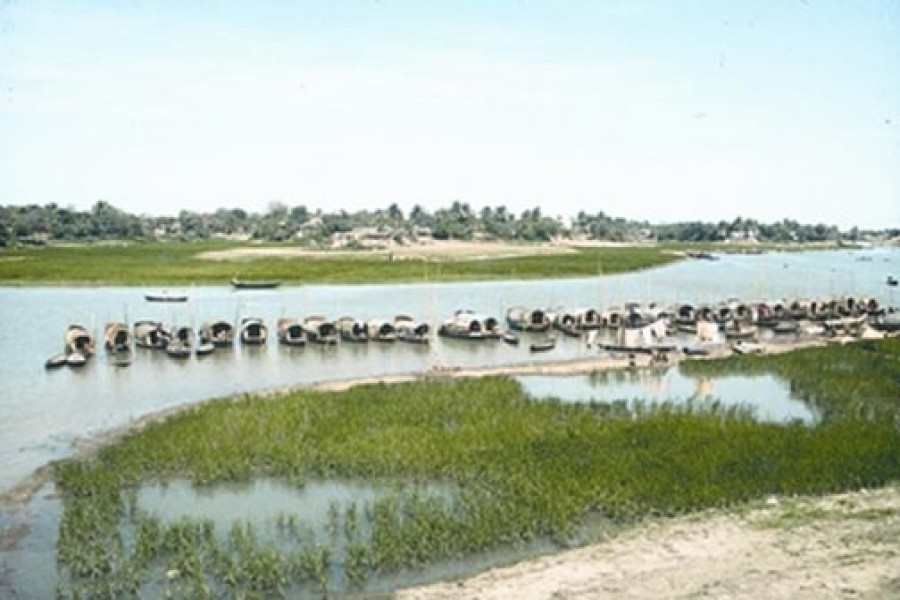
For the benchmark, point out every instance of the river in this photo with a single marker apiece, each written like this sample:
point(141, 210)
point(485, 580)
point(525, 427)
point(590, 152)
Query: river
point(42, 413)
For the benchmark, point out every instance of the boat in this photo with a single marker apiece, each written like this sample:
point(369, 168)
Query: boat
point(151, 334)
point(219, 331)
point(290, 332)
point(352, 330)
point(205, 345)
point(695, 351)
point(380, 330)
point(165, 296)
point(116, 337)
point(739, 330)
point(56, 361)
point(181, 344)
point(510, 338)
point(888, 322)
point(467, 325)
point(745, 347)
point(320, 330)
point(409, 330)
point(254, 284)
point(79, 340)
point(892, 281)
point(520, 318)
point(253, 331)
point(543, 345)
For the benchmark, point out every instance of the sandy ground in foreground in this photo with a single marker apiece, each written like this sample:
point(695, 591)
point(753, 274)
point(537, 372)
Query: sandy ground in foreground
point(840, 546)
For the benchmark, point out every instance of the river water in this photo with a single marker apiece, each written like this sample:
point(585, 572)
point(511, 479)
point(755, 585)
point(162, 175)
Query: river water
point(43, 412)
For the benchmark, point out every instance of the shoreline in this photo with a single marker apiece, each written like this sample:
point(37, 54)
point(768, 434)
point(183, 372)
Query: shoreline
point(20, 493)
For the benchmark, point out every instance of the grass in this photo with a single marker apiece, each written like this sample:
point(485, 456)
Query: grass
point(177, 264)
point(522, 469)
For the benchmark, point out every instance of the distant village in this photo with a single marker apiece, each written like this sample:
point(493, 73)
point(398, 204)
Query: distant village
point(37, 225)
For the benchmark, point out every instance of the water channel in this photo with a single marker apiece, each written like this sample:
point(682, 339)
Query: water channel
point(43, 414)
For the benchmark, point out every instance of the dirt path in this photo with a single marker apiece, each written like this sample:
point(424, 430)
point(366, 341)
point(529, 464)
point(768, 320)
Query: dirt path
point(841, 546)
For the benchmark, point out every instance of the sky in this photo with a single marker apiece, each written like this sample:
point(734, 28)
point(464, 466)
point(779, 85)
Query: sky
point(659, 110)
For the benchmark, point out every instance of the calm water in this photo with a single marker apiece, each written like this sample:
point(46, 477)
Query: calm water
point(42, 413)
point(768, 397)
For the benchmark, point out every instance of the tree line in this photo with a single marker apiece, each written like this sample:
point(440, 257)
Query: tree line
point(36, 224)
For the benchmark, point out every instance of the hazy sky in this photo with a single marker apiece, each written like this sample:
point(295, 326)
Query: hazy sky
point(667, 111)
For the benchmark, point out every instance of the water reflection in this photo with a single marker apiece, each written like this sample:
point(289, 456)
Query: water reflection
point(768, 397)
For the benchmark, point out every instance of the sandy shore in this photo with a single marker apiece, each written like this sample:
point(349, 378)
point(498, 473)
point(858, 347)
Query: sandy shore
point(839, 546)
point(434, 250)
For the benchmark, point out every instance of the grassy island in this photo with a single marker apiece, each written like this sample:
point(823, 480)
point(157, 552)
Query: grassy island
point(189, 263)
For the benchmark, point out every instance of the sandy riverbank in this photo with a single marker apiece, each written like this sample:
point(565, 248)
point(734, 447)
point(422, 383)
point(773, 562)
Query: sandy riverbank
point(837, 546)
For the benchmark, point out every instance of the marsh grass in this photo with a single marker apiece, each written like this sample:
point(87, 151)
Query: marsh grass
point(178, 264)
point(521, 470)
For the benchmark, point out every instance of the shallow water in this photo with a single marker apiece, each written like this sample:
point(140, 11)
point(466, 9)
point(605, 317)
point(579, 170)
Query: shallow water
point(768, 397)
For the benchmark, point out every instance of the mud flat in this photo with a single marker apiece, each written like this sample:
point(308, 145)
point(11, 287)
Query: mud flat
point(836, 546)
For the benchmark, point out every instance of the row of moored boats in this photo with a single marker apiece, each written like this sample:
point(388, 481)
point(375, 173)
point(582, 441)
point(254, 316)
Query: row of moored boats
point(636, 327)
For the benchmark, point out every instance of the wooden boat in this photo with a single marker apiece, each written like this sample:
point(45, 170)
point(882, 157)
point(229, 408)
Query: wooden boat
point(520, 318)
point(116, 337)
point(219, 331)
point(151, 334)
point(56, 361)
point(889, 322)
point(737, 330)
point(543, 345)
point(510, 338)
point(254, 284)
point(290, 332)
point(380, 330)
point(695, 351)
point(165, 297)
point(205, 345)
point(409, 330)
point(352, 330)
point(79, 340)
point(320, 330)
point(745, 347)
point(181, 344)
point(253, 331)
point(467, 325)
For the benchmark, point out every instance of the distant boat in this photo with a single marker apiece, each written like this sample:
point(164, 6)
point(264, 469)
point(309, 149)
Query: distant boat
point(254, 284)
point(892, 281)
point(56, 361)
point(543, 345)
point(78, 340)
point(165, 297)
point(253, 331)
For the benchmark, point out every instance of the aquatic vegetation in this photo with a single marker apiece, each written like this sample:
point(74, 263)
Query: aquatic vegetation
point(517, 470)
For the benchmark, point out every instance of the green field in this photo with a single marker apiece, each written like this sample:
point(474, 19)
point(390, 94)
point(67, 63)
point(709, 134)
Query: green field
point(177, 264)
point(523, 470)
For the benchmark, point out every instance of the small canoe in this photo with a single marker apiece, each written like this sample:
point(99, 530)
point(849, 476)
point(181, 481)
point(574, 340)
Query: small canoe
point(510, 338)
point(542, 346)
point(254, 284)
point(56, 361)
point(165, 297)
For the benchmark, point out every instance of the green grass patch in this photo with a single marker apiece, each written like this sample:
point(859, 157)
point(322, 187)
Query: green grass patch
point(178, 264)
point(523, 470)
